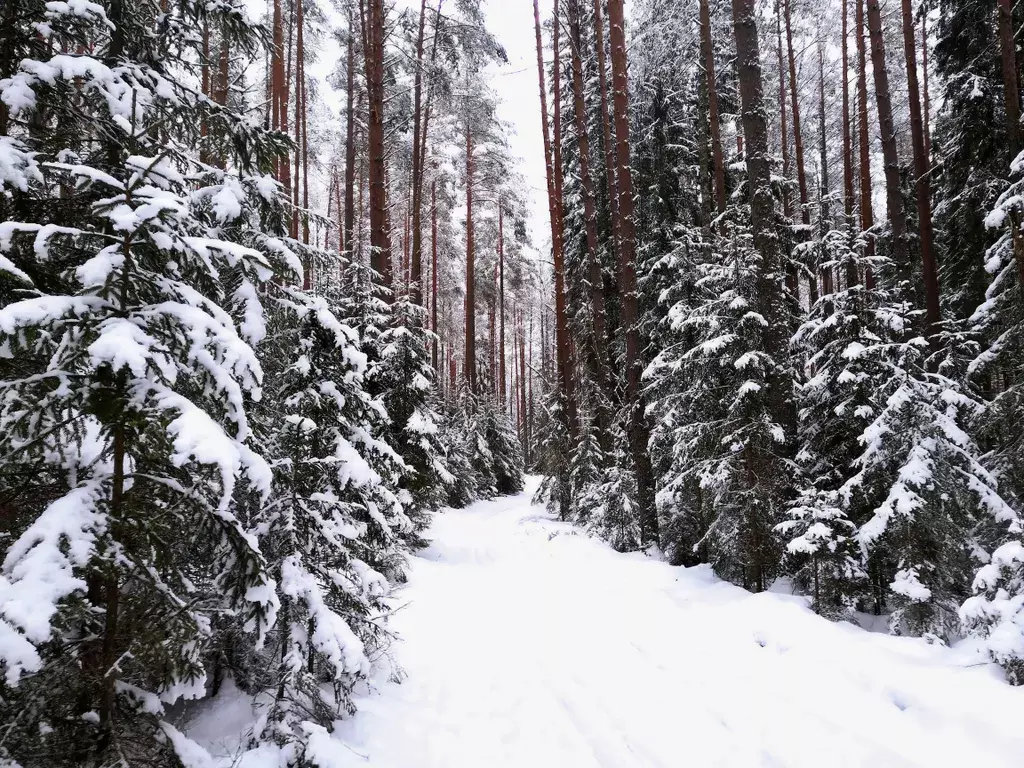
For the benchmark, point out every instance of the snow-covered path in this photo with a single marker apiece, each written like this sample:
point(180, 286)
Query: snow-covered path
point(527, 645)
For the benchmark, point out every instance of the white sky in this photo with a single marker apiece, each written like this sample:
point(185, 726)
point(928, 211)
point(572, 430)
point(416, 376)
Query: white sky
point(511, 21)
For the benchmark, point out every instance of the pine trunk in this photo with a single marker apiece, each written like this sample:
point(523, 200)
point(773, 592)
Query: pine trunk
point(927, 101)
point(380, 235)
point(597, 343)
point(893, 192)
point(717, 158)
point(564, 363)
point(415, 294)
point(627, 276)
point(759, 459)
point(522, 382)
point(823, 192)
point(350, 135)
point(929, 268)
point(470, 361)
point(798, 142)
point(787, 205)
point(501, 309)
point(847, 138)
point(433, 270)
point(606, 125)
point(867, 215)
point(1011, 88)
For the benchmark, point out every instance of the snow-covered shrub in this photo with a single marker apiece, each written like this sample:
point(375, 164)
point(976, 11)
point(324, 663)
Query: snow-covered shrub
point(996, 611)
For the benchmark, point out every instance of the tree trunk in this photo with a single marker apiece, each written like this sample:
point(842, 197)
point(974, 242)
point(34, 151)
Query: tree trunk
point(847, 139)
point(798, 142)
point(556, 126)
point(929, 268)
point(470, 361)
point(1011, 88)
point(761, 467)
point(717, 158)
point(597, 352)
point(380, 235)
point(286, 74)
point(415, 294)
point(606, 124)
point(565, 375)
point(419, 152)
point(867, 215)
point(787, 205)
point(302, 137)
point(927, 101)
point(530, 414)
point(823, 206)
point(893, 192)
point(501, 308)
point(350, 135)
point(204, 84)
point(522, 382)
point(433, 271)
point(492, 347)
point(627, 277)
point(276, 77)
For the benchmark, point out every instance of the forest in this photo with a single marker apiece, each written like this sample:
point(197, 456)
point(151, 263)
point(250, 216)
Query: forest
point(273, 298)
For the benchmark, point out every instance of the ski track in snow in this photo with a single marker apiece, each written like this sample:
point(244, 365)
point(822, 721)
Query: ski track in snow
point(528, 644)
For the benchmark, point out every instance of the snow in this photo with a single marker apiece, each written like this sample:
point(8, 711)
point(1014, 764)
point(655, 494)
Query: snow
point(39, 572)
point(528, 643)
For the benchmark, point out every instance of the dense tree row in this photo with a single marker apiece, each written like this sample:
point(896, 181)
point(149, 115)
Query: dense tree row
point(820, 283)
point(223, 409)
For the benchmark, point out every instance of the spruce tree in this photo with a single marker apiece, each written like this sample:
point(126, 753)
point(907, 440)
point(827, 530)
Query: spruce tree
point(333, 521)
point(129, 374)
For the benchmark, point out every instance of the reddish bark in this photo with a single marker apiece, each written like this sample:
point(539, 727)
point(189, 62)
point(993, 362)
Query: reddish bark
point(1011, 88)
point(717, 158)
point(417, 160)
point(761, 460)
point(823, 211)
point(492, 336)
point(929, 268)
point(565, 375)
point(597, 356)
point(893, 193)
point(627, 276)
point(204, 129)
point(522, 382)
point(606, 124)
point(787, 205)
point(380, 231)
point(470, 361)
point(433, 271)
point(421, 119)
point(350, 134)
point(847, 139)
point(924, 77)
point(867, 215)
point(798, 142)
point(501, 307)
point(556, 125)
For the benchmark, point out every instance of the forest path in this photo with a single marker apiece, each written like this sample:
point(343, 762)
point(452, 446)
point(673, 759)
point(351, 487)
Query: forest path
point(530, 645)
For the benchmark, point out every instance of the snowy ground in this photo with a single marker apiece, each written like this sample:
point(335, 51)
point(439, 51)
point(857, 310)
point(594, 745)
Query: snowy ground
point(527, 645)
